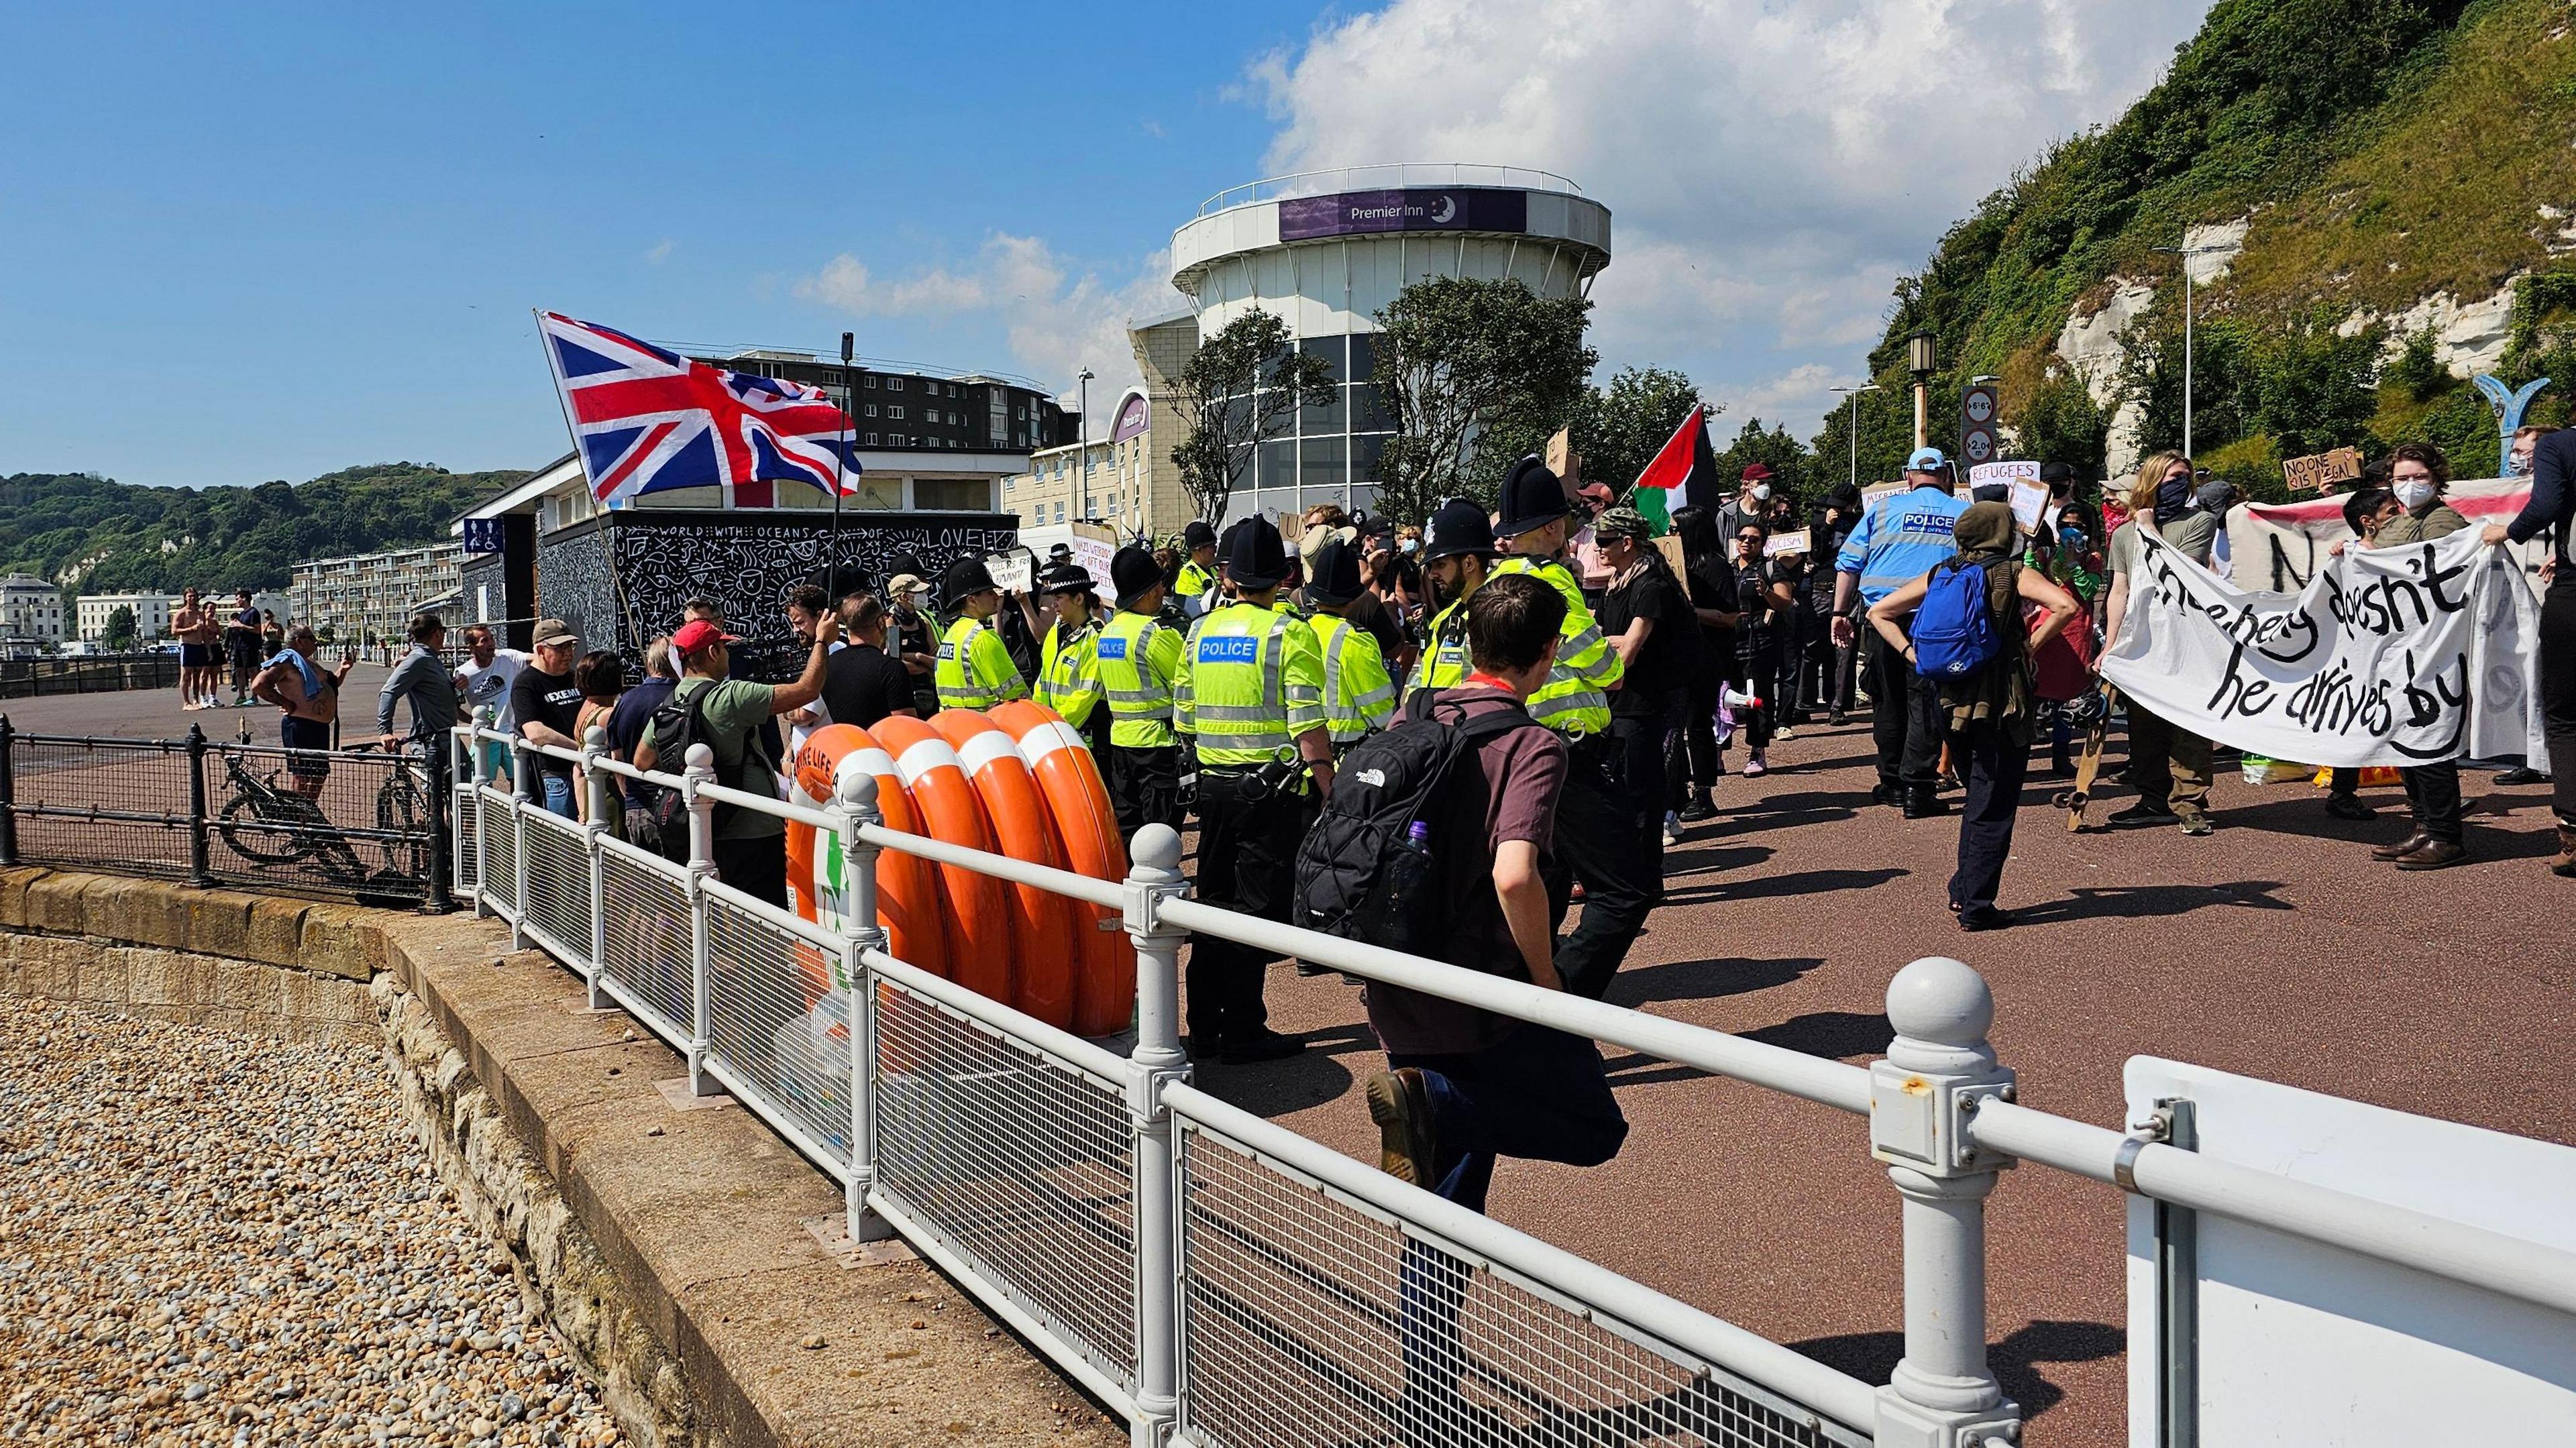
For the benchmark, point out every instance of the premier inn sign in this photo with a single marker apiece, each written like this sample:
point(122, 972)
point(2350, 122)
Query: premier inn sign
point(1453, 208)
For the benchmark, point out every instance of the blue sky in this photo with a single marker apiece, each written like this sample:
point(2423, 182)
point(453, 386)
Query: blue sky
point(244, 243)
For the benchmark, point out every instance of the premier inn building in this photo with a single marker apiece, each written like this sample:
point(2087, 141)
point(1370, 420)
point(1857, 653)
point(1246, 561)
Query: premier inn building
point(1326, 251)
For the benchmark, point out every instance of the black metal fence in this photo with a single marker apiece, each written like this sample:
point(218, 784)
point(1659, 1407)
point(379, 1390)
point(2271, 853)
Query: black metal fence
point(87, 674)
point(357, 824)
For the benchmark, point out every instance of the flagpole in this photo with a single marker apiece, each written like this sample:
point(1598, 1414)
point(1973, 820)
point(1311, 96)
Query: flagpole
point(840, 466)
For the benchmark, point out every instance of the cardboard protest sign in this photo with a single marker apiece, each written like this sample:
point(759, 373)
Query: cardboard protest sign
point(1671, 547)
point(1786, 542)
point(2029, 501)
point(2322, 471)
point(1984, 473)
point(2391, 656)
point(1013, 569)
point(1093, 546)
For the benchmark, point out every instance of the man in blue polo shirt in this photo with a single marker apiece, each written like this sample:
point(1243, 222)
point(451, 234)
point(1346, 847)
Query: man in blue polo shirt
point(1900, 538)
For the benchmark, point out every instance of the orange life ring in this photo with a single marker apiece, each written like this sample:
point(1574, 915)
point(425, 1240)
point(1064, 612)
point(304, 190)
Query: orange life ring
point(1044, 958)
point(1086, 825)
point(908, 888)
point(979, 906)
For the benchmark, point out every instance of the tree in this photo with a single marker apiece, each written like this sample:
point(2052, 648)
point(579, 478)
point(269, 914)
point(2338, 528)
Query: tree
point(1793, 469)
point(1242, 387)
point(2059, 423)
point(1886, 432)
point(120, 628)
point(1620, 428)
point(2151, 374)
point(1474, 373)
point(2311, 389)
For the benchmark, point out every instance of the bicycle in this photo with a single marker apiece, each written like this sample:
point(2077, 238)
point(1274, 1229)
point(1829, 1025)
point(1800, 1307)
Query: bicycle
point(273, 823)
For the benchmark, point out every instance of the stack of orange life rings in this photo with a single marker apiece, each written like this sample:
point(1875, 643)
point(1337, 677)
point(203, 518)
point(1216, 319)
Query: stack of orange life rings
point(1018, 781)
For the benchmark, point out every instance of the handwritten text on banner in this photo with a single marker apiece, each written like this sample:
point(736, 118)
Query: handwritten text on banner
point(2391, 656)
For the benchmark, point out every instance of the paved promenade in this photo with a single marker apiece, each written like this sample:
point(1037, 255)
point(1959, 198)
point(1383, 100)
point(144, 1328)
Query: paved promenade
point(2274, 947)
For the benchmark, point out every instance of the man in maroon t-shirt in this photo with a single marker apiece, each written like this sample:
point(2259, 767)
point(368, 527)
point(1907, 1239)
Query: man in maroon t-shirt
point(1465, 1085)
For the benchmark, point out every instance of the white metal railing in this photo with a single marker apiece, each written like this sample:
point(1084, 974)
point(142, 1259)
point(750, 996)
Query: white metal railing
point(1218, 1279)
point(1385, 176)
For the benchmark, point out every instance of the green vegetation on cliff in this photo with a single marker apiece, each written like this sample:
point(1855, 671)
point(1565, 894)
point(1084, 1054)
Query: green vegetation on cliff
point(2380, 152)
point(119, 537)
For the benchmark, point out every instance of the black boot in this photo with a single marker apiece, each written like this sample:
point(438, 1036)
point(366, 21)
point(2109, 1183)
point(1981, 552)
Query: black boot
point(1924, 804)
point(1700, 806)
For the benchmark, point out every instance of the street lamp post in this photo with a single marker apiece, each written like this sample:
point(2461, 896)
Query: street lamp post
point(2186, 253)
point(1919, 361)
point(1855, 393)
point(1082, 478)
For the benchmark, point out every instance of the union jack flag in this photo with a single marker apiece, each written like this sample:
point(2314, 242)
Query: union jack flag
point(645, 419)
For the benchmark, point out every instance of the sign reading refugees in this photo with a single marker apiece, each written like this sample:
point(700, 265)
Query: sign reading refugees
point(2390, 656)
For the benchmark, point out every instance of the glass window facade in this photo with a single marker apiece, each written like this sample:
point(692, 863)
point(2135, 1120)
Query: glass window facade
point(1326, 452)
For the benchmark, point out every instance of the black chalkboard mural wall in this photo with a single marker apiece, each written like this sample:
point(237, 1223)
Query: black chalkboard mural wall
point(745, 561)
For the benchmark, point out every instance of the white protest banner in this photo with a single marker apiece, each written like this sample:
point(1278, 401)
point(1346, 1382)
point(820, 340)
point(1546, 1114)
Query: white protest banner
point(2278, 545)
point(2391, 656)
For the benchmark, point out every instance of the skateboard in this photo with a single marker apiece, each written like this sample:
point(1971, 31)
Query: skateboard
point(2074, 800)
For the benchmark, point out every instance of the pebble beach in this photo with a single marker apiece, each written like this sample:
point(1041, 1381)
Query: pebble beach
point(216, 1238)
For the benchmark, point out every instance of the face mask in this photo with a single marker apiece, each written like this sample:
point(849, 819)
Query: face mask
point(1408, 545)
point(2412, 494)
point(2516, 464)
point(1762, 492)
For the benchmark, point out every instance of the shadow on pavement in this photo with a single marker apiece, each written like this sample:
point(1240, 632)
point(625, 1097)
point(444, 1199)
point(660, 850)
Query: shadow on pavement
point(1872, 1356)
point(1700, 980)
point(1275, 1088)
point(2140, 902)
point(1798, 882)
point(1684, 860)
point(1841, 1035)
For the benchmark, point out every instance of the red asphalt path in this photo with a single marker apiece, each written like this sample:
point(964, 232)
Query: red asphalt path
point(2274, 947)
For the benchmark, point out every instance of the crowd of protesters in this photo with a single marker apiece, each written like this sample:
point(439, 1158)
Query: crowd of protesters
point(1598, 675)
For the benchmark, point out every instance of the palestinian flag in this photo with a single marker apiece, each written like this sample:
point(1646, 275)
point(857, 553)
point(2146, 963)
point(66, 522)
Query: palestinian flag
point(1684, 472)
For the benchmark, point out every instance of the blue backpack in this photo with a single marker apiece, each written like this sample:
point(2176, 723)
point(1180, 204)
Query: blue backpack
point(1954, 631)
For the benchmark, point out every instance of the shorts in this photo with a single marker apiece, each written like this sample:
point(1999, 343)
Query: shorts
point(196, 656)
point(306, 734)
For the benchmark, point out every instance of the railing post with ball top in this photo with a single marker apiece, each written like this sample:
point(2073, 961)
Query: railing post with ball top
point(1938, 1071)
point(855, 805)
point(1154, 876)
point(594, 748)
point(476, 776)
point(522, 768)
point(701, 772)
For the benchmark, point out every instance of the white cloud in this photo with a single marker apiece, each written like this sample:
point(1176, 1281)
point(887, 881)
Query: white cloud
point(660, 251)
point(1771, 169)
point(1057, 322)
point(1796, 397)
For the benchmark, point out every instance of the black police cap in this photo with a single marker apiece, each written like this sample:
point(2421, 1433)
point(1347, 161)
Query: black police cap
point(1333, 576)
point(1457, 526)
point(1254, 557)
point(1531, 498)
point(1133, 573)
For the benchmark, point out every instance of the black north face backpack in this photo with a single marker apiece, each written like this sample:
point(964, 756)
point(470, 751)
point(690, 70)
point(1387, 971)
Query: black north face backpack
point(1361, 873)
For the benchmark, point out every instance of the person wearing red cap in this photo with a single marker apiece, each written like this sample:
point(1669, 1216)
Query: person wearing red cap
point(1751, 504)
point(750, 846)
